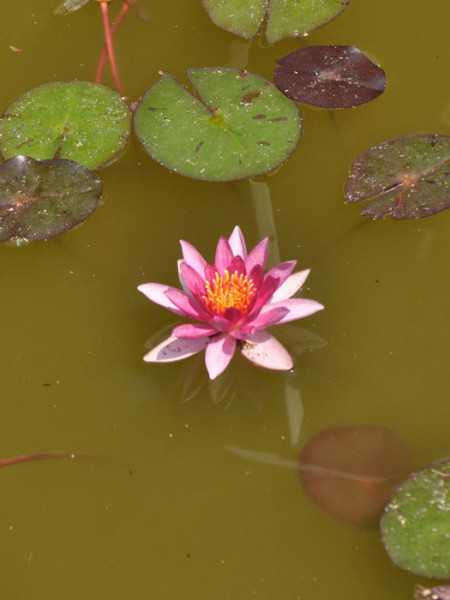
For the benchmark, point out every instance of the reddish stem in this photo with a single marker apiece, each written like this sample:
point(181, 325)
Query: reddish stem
point(109, 47)
point(117, 22)
point(6, 462)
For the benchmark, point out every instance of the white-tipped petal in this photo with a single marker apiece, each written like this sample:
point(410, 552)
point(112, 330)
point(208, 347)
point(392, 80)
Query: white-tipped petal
point(237, 243)
point(266, 351)
point(156, 292)
point(180, 277)
point(289, 287)
point(172, 349)
point(219, 353)
point(193, 257)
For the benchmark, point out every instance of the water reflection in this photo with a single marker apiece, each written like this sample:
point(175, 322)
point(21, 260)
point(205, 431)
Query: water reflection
point(193, 378)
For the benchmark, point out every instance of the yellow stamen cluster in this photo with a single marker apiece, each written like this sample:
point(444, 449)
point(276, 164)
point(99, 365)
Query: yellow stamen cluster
point(229, 291)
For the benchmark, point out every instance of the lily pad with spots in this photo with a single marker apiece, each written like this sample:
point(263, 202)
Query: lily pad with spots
point(285, 18)
point(329, 76)
point(407, 177)
point(40, 199)
point(415, 527)
point(239, 126)
point(77, 120)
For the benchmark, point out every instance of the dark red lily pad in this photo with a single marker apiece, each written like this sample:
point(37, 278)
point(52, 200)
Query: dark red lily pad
point(351, 471)
point(406, 178)
point(40, 199)
point(329, 76)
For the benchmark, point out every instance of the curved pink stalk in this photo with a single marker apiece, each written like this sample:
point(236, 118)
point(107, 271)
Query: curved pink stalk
point(109, 48)
point(117, 22)
point(14, 460)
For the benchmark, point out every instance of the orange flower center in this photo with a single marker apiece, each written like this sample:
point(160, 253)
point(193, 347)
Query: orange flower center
point(229, 291)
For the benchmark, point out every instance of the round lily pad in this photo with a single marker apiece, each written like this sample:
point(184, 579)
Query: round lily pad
point(40, 199)
point(241, 126)
point(329, 76)
point(415, 527)
point(406, 178)
point(285, 18)
point(77, 120)
point(350, 471)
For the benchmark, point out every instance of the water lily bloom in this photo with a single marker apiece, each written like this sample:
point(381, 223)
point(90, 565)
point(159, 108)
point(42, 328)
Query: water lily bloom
point(233, 302)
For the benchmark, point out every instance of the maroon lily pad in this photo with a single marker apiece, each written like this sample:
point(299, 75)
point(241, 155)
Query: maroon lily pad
point(406, 178)
point(40, 199)
point(329, 76)
point(351, 471)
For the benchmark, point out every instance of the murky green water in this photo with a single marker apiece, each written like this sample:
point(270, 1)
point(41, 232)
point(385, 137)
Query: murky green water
point(158, 506)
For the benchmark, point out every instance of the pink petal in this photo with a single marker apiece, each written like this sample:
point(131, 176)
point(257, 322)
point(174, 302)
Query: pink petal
point(219, 353)
point(172, 349)
point(210, 272)
point(258, 256)
point(237, 243)
point(268, 316)
point(193, 331)
point(266, 351)
point(266, 291)
point(156, 292)
point(192, 279)
point(232, 315)
point(180, 261)
point(224, 255)
point(193, 257)
point(297, 308)
point(221, 324)
point(256, 275)
point(281, 271)
point(292, 284)
point(190, 307)
point(237, 264)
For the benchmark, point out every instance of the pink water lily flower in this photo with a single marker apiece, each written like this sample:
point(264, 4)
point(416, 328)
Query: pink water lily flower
point(233, 301)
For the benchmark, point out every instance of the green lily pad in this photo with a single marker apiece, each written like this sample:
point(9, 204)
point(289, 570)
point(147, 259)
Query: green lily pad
point(416, 524)
point(241, 126)
point(406, 178)
point(78, 120)
point(285, 18)
point(40, 199)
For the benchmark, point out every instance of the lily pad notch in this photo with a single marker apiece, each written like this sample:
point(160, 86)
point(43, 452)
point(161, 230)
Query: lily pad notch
point(240, 125)
point(284, 18)
point(78, 120)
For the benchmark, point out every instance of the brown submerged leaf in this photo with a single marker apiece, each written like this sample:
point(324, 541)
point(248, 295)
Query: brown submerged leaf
point(351, 471)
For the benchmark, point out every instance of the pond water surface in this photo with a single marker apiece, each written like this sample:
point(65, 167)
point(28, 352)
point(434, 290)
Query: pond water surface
point(157, 505)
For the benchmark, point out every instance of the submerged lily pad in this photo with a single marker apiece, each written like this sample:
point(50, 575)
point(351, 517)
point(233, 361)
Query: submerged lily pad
point(415, 527)
point(329, 76)
point(351, 471)
point(78, 120)
point(42, 199)
point(241, 126)
point(406, 178)
point(285, 18)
